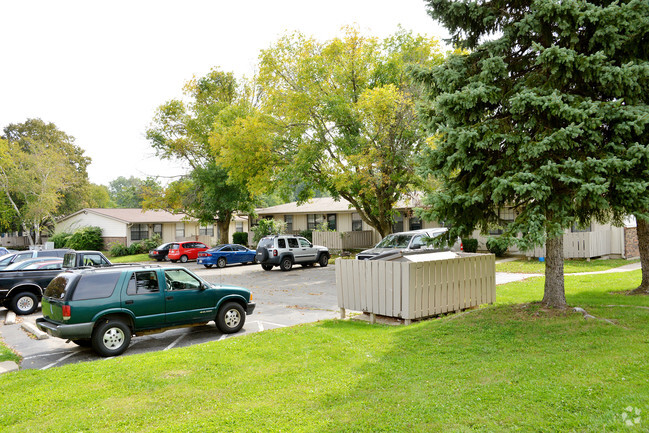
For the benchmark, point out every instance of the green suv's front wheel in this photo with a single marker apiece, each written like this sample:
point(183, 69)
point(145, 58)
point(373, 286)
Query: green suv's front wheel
point(111, 337)
point(230, 318)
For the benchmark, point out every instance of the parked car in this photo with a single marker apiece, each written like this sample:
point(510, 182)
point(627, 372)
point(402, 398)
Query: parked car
point(224, 254)
point(21, 290)
point(160, 253)
point(185, 251)
point(37, 263)
point(19, 256)
point(4, 251)
point(406, 241)
point(286, 250)
point(104, 308)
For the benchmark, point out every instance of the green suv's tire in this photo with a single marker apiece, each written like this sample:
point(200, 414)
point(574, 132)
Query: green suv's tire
point(323, 260)
point(221, 262)
point(24, 303)
point(267, 267)
point(286, 264)
point(230, 318)
point(111, 337)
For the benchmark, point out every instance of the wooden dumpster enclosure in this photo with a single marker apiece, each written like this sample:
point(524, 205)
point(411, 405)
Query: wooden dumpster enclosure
point(415, 289)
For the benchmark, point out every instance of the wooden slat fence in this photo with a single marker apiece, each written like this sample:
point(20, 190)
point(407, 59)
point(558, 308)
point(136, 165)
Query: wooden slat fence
point(344, 240)
point(581, 245)
point(416, 290)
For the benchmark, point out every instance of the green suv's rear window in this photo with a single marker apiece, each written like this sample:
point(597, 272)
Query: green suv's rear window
point(95, 286)
point(59, 286)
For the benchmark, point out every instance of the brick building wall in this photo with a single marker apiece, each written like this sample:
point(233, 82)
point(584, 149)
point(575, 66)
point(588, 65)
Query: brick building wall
point(631, 242)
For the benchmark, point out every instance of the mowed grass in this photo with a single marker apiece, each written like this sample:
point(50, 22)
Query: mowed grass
point(512, 366)
point(569, 267)
point(6, 354)
point(131, 259)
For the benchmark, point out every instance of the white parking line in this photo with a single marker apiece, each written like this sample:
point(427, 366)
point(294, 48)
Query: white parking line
point(223, 337)
point(275, 324)
point(260, 325)
point(40, 355)
point(58, 360)
point(176, 341)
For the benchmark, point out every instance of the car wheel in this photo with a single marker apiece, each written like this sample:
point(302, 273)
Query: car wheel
point(323, 260)
point(208, 266)
point(24, 303)
point(286, 264)
point(230, 318)
point(183, 259)
point(267, 267)
point(263, 254)
point(221, 262)
point(85, 342)
point(111, 338)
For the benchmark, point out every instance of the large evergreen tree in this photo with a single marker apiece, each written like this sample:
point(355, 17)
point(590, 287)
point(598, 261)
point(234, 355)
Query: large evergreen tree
point(545, 111)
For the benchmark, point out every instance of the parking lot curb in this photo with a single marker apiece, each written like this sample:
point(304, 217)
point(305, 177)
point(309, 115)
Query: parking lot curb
point(10, 319)
point(8, 366)
point(32, 329)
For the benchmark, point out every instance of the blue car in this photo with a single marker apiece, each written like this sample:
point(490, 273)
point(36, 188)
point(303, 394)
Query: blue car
point(224, 254)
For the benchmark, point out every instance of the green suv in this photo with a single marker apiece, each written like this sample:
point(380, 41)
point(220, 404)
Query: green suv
point(104, 308)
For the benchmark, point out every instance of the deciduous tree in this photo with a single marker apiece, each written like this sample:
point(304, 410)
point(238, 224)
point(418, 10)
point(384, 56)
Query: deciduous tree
point(546, 113)
point(338, 116)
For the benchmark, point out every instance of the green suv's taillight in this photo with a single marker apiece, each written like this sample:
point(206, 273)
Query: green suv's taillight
point(65, 310)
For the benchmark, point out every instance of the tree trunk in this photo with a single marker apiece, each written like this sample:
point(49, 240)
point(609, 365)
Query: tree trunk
point(554, 294)
point(643, 247)
point(224, 231)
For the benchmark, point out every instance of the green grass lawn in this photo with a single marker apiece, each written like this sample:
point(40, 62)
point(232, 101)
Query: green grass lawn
point(6, 354)
point(131, 259)
point(508, 367)
point(569, 267)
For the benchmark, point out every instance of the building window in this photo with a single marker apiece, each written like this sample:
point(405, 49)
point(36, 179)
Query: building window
point(331, 221)
point(206, 230)
point(139, 232)
point(313, 220)
point(357, 222)
point(180, 230)
point(577, 229)
point(398, 223)
point(288, 219)
point(238, 226)
point(414, 223)
point(157, 229)
point(506, 216)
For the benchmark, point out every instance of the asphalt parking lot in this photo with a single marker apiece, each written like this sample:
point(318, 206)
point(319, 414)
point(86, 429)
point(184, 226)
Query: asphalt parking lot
point(302, 295)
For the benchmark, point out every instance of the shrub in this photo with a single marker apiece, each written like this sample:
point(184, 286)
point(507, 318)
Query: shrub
point(60, 239)
point(86, 238)
point(135, 248)
point(240, 238)
point(268, 227)
point(470, 245)
point(118, 250)
point(307, 234)
point(150, 243)
point(496, 246)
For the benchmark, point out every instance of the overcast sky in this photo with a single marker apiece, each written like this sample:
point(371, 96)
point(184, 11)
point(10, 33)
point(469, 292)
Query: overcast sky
point(99, 69)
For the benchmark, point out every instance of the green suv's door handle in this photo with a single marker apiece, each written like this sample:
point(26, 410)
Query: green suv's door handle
point(169, 298)
point(130, 301)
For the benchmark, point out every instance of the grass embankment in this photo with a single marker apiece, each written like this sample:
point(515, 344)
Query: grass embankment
point(512, 366)
point(131, 259)
point(569, 266)
point(6, 354)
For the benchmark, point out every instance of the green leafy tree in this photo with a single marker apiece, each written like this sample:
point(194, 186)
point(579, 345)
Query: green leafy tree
point(39, 165)
point(337, 116)
point(181, 131)
point(549, 116)
point(131, 192)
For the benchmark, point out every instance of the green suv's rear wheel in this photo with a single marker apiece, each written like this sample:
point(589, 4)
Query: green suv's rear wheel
point(230, 318)
point(111, 338)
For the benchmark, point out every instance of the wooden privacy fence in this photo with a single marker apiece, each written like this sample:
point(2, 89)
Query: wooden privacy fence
point(415, 290)
point(581, 245)
point(343, 240)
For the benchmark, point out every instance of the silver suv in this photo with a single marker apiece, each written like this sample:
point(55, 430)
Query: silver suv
point(286, 250)
point(407, 241)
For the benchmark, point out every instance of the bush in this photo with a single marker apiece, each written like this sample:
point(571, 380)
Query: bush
point(86, 238)
point(496, 246)
point(470, 245)
point(60, 239)
point(118, 250)
point(240, 238)
point(150, 243)
point(307, 234)
point(135, 248)
point(268, 227)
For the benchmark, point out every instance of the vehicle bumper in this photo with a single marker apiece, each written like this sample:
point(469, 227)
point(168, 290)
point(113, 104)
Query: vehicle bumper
point(69, 332)
point(205, 261)
point(250, 308)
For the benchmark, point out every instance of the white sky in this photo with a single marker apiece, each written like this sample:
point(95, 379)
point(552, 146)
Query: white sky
point(98, 70)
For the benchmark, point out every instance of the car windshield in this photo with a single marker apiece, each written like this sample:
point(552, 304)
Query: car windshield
point(395, 241)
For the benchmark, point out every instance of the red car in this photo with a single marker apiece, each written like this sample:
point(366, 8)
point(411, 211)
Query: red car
point(184, 251)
